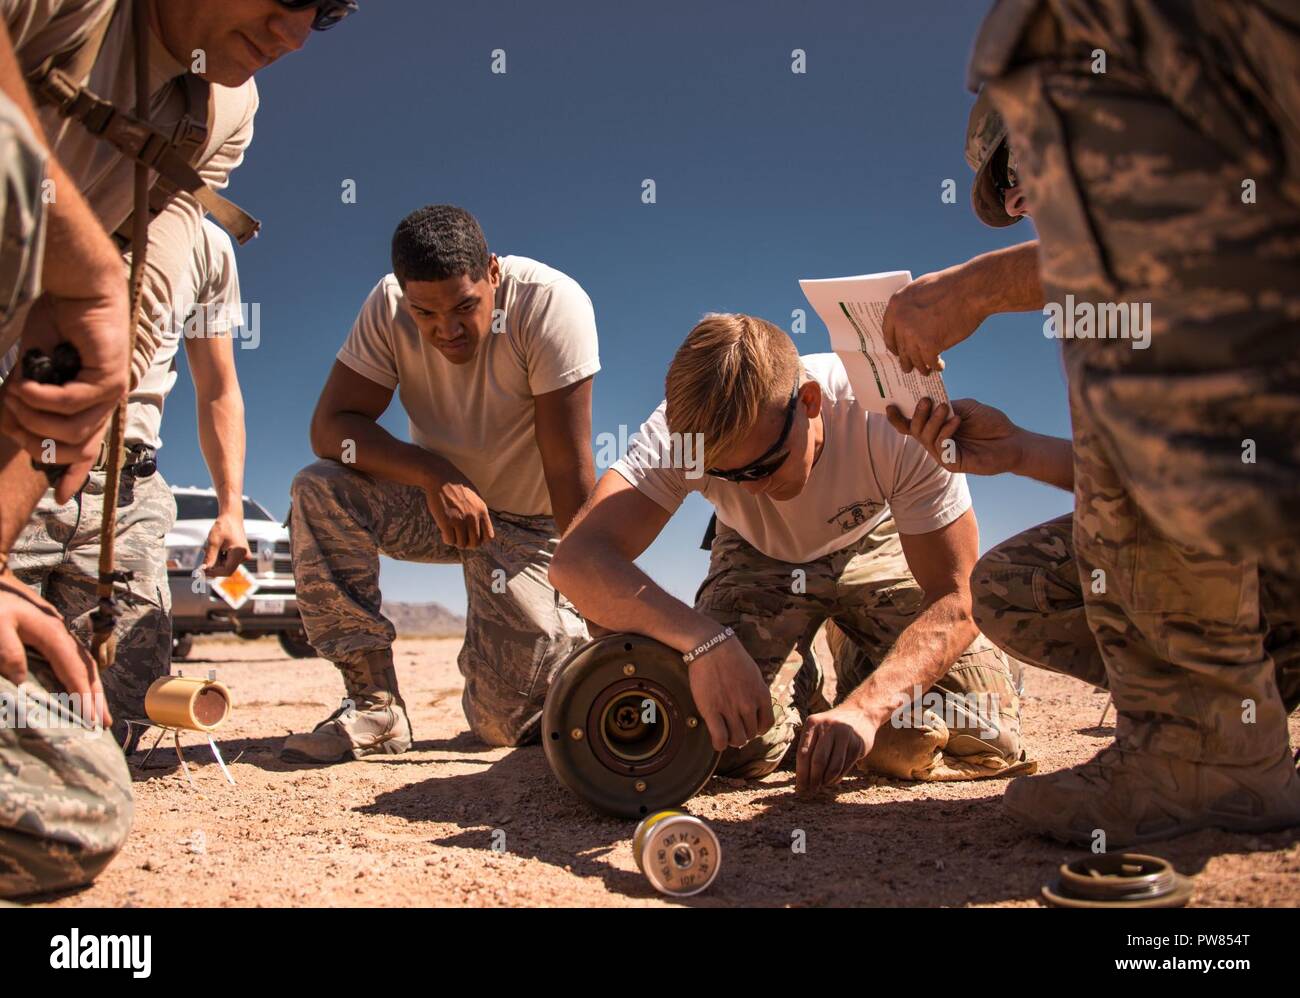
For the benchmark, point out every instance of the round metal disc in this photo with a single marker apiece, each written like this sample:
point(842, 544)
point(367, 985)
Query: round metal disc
point(620, 728)
point(678, 853)
point(1119, 880)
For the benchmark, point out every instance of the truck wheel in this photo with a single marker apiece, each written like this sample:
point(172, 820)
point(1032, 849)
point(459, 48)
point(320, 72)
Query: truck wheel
point(296, 645)
point(182, 645)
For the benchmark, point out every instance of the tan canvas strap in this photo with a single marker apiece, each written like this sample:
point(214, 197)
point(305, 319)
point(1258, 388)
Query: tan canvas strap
point(57, 82)
point(137, 139)
point(189, 137)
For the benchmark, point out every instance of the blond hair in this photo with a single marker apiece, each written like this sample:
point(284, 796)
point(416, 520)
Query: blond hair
point(723, 376)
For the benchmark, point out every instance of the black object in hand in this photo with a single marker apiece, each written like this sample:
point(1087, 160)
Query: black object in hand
point(57, 367)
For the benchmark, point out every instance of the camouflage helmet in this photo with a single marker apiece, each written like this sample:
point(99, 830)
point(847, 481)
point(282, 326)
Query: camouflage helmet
point(985, 133)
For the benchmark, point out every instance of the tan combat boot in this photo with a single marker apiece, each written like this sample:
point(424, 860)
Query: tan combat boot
point(1135, 797)
point(372, 721)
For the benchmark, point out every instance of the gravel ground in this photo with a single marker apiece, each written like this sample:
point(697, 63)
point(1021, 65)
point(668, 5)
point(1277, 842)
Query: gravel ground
point(419, 829)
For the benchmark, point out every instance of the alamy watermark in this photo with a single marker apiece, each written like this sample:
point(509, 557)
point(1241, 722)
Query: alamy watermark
point(48, 711)
point(966, 711)
point(1108, 320)
point(242, 321)
point(678, 450)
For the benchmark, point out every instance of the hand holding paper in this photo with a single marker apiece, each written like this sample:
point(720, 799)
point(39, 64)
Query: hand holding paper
point(853, 309)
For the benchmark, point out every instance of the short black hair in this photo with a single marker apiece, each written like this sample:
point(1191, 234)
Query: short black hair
point(437, 242)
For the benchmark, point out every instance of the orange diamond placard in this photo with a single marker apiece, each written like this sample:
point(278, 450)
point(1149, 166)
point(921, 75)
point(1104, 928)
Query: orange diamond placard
point(236, 588)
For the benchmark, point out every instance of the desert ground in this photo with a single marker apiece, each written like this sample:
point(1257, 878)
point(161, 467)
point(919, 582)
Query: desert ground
point(418, 829)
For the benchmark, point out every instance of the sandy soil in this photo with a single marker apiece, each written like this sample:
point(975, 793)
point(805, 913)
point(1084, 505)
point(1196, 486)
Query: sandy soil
point(418, 829)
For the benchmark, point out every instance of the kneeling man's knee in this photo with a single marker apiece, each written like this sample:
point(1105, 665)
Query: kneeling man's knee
point(70, 828)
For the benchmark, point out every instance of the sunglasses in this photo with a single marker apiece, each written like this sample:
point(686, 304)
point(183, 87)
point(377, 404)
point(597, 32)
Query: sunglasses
point(765, 465)
point(1003, 169)
point(328, 12)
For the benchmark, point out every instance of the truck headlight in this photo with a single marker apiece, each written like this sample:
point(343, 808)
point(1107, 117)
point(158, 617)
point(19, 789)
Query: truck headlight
point(183, 559)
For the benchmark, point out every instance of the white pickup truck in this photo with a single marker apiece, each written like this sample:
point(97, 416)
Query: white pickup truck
point(257, 601)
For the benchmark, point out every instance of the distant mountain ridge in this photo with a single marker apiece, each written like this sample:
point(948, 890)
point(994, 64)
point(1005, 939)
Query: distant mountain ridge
point(430, 620)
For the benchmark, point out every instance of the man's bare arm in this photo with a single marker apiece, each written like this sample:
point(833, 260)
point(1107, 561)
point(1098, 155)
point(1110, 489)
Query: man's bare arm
point(977, 439)
point(21, 489)
point(834, 741)
point(220, 405)
point(222, 439)
point(941, 561)
point(939, 310)
point(345, 428)
point(595, 567)
point(562, 424)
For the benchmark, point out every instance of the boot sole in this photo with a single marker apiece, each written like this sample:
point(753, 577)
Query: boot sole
point(291, 756)
point(1235, 827)
point(352, 755)
point(387, 745)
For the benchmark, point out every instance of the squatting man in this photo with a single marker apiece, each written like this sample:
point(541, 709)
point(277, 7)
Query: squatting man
point(824, 513)
point(493, 358)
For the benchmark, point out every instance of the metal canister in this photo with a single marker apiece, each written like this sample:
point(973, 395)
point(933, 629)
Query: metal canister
point(184, 702)
point(678, 853)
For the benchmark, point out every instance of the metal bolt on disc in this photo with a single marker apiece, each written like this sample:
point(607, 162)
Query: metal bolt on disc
point(1119, 880)
point(678, 853)
point(620, 728)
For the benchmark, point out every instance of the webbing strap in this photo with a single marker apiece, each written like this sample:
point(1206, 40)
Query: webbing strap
point(135, 138)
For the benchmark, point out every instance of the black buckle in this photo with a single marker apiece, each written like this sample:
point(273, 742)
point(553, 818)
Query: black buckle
point(142, 462)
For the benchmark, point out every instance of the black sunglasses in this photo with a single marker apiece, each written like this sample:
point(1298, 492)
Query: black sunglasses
point(1003, 169)
point(765, 465)
point(328, 12)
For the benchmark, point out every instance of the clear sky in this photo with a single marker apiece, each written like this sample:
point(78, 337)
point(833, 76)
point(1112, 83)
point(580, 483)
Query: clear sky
point(763, 176)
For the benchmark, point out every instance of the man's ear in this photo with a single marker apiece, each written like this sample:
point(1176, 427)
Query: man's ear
point(494, 270)
point(810, 397)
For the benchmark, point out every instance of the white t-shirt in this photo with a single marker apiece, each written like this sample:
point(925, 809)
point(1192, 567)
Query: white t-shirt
point(479, 416)
point(207, 304)
point(867, 470)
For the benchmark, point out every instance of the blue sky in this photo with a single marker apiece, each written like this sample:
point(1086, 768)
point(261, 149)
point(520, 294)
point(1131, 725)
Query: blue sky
point(763, 176)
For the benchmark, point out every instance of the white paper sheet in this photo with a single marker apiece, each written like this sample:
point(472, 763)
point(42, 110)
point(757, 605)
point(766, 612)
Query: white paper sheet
point(853, 309)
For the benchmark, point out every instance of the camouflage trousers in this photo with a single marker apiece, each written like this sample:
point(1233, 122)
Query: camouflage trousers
point(1168, 185)
point(867, 590)
point(65, 792)
point(518, 629)
point(1029, 601)
point(57, 554)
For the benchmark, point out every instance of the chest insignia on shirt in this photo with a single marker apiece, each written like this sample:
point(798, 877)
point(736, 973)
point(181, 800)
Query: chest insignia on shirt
point(854, 515)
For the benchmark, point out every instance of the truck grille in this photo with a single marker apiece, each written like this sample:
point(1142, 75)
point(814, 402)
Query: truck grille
point(280, 562)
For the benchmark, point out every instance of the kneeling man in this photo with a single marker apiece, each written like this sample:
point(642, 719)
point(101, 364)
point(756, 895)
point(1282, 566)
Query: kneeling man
point(493, 360)
point(824, 513)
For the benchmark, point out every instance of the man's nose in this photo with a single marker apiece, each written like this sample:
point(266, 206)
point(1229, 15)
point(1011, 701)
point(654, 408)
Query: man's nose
point(1014, 203)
